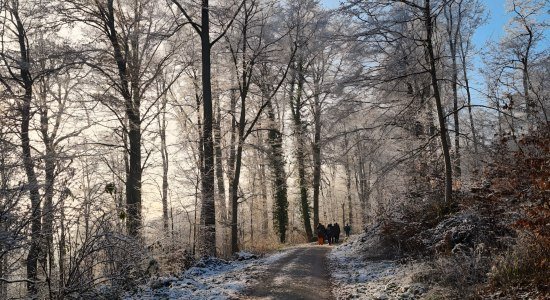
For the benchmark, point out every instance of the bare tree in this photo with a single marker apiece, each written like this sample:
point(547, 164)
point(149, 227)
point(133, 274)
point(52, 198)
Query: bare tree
point(20, 72)
point(245, 55)
point(518, 54)
point(208, 211)
point(398, 26)
point(134, 33)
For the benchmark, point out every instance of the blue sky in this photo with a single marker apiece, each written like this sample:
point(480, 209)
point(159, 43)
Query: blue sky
point(491, 31)
point(494, 27)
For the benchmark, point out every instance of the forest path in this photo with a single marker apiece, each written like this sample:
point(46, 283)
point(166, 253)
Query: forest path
point(302, 274)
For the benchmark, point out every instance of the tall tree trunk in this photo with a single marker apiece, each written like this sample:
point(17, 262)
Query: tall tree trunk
point(361, 183)
point(316, 156)
point(252, 219)
point(428, 23)
point(469, 99)
point(348, 191)
point(299, 128)
point(343, 213)
point(243, 92)
point(278, 173)
point(208, 211)
point(28, 162)
point(130, 91)
point(133, 178)
point(3, 274)
point(263, 190)
point(133, 195)
point(302, 183)
point(530, 106)
point(200, 164)
point(453, 32)
point(62, 242)
point(47, 256)
point(222, 205)
point(232, 157)
point(165, 165)
point(198, 196)
point(5, 200)
point(348, 179)
point(454, 83)
point(32, 181)
point(235, 191)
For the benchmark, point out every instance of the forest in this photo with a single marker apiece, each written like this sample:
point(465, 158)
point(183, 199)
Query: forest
point(140, 139)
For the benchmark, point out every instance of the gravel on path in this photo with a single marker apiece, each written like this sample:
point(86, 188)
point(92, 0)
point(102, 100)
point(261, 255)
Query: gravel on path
point(302, 274)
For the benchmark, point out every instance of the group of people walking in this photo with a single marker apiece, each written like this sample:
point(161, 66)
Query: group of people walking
point(331, 233)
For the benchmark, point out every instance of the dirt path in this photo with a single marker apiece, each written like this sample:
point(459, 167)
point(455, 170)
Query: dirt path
point(302, 274)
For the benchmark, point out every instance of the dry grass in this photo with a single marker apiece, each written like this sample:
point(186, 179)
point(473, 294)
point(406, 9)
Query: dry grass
point(263, 246)
point(525, 264)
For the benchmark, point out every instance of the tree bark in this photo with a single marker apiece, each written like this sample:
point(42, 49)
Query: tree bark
point(316, 155)
point(165, 165)
point(62, 240)
point(454, 83)
point(299, 127)
point(235, 191)
point(220, 180)
point(47, 255)
point(28, 162)
point(263, 189)
point(278, 173)
point(469, 99)
point(132, 103)
point(453, 32)
point(530, 105)
point(232, 158)
point(243, 93)
point(32, 181)
point(207, 246)
point(348, 191)
point(428, 23)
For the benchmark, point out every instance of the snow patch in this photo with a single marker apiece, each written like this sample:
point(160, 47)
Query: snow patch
point(210, 278)
point(355, 277)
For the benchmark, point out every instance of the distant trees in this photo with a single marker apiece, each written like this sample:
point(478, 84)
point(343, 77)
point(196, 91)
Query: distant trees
point(250, 45)
point(22, 75)
point(134, 57)
point(472, 17)
point(520, 53)
point(416, 25)
point(25, 73)
point(302, 20)
point(12, 228)
point(266, 82)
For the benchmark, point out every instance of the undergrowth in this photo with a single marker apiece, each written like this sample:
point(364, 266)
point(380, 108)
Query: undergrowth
point(494, 240)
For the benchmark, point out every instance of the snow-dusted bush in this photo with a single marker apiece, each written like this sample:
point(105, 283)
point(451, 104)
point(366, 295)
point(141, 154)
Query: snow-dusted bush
point(525, 263)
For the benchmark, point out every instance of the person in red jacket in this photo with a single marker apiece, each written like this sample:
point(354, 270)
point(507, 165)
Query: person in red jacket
point(321, 231)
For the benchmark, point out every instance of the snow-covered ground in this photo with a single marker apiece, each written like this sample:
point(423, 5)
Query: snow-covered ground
point(354, 277)
point(210, 279)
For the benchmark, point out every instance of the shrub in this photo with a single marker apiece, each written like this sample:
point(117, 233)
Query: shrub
point(525, 264)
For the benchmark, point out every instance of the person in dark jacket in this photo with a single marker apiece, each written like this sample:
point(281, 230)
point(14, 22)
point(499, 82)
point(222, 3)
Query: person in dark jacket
point(321, 234)
point(336, 229)
point(347, 229)
point(329, 234)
